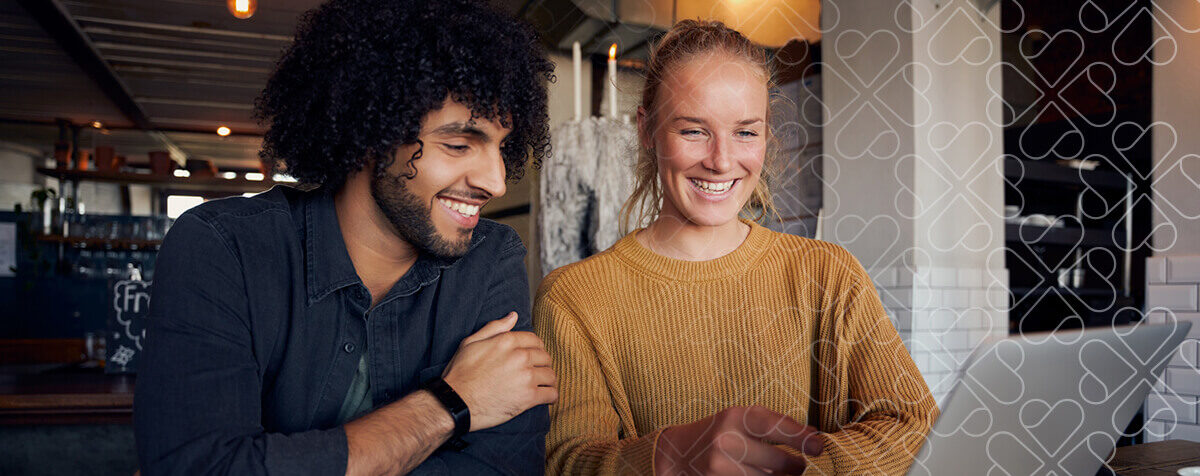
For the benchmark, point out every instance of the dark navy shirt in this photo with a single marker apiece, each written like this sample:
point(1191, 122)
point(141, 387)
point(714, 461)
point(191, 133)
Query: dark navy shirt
point(257, 322)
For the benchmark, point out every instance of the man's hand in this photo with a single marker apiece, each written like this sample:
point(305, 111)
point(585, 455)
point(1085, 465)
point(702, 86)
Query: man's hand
point(731, 442)
point(500, 373)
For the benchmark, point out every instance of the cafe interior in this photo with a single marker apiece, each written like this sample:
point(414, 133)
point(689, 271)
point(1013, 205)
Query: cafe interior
point(999, 168)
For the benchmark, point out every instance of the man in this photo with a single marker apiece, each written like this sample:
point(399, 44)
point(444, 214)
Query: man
point(374, 324)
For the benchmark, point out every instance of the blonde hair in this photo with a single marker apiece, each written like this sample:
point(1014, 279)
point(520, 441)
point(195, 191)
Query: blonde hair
point(684, 41)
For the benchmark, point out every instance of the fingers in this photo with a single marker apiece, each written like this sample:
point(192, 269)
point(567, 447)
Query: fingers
point(806, 439)
point(771, 459)
point(764, 423)
point(543, 376)
point(492, 329)
point(536, 357)
point(732, 456)
point(545, 395)
point(524, 339)
point(748, 451)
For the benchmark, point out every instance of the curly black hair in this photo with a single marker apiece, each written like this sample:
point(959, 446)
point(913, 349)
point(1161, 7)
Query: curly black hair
point(362, 74)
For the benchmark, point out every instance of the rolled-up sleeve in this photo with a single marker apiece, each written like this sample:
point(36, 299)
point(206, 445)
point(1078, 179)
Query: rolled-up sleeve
point(198, 403)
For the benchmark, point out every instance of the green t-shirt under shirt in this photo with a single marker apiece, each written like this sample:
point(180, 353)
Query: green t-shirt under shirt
point(358, 397)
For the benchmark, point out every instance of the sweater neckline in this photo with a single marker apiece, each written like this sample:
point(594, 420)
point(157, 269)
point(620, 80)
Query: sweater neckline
point(734, 262)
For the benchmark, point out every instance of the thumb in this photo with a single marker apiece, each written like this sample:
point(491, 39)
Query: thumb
point(492, 329)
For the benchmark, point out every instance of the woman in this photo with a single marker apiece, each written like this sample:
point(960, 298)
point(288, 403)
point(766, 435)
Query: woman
point(704, 343)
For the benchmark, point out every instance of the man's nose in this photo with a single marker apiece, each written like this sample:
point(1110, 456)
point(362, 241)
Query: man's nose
point(489, 174)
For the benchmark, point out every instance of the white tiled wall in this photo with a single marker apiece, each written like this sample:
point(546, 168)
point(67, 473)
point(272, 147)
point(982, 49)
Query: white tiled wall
point(942, 314)
point(1173, 294)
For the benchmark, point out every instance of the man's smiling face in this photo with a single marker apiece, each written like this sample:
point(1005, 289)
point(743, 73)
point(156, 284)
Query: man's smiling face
point(460, 168)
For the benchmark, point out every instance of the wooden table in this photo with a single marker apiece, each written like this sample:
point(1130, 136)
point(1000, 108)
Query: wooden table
point(1160, 458)
point(75, 397)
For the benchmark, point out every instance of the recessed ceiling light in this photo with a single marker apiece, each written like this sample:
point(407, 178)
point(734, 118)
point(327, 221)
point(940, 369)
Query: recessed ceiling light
point(242, 9)
point(223, 131)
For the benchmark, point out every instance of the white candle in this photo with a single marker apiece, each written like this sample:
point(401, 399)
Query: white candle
point(577, 57)
point(612, 81)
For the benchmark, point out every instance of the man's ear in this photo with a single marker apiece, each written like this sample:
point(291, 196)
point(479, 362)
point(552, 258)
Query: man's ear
point(395, 163)
point(403, 160)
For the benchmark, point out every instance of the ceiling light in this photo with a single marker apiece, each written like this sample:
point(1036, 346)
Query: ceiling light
point(770, 23)
point(255, 176)
point(229, 175)
point(242, 9)
point(223, 131)
point(97, 125)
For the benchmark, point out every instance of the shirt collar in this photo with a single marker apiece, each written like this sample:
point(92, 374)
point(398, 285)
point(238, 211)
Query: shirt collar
point(327, 263)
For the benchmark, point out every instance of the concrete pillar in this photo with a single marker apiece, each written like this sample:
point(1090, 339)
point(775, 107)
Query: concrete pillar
point(1173, 272)
point(913, 167)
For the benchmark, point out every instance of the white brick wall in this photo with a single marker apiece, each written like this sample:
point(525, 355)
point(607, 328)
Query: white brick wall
point(942, 314)
point(1173, 294)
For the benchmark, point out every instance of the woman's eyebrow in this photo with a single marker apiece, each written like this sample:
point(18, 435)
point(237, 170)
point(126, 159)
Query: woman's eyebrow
point(696, 120)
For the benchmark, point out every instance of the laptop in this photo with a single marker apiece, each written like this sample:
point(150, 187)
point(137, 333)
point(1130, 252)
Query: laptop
point(1047, 403)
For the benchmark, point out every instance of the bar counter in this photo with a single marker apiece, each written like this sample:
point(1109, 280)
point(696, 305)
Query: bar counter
point(64, 395)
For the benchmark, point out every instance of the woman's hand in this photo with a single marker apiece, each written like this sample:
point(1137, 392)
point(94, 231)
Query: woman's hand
point(731, 442)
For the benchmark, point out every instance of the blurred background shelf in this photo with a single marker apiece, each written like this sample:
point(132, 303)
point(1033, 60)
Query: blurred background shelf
point(1080, 292)
point(238, 185)
point(1069, 236)
point(1040, 171)
point(101, 243)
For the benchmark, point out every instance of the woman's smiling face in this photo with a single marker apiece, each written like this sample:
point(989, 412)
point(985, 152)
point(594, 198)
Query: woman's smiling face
point(709, 134)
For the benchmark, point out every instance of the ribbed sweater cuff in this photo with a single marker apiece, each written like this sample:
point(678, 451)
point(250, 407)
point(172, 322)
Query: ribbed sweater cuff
point(639, 455)
point(821, 464)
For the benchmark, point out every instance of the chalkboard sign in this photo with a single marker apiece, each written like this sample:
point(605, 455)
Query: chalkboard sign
point(126, 324)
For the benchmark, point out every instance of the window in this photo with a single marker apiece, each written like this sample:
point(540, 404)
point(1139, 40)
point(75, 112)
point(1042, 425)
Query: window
point(177, 204)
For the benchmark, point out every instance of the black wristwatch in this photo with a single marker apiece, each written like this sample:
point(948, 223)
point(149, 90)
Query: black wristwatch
point(453, 403)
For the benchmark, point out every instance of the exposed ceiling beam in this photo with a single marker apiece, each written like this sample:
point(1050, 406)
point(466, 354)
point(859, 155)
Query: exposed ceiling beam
point(202, 127)
point(53, 18)
point(108, 45)
point(94, 31)
point(214, 78)
point(188, 64)
point(195, 103)
point(184, 29)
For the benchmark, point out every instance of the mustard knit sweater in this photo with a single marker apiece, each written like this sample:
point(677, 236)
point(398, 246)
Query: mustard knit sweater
point(641, 342)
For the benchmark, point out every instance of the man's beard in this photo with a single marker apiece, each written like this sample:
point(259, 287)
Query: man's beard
point(413, 220)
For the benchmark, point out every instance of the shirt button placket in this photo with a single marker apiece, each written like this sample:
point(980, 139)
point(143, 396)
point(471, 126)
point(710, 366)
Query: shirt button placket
point(365, 314)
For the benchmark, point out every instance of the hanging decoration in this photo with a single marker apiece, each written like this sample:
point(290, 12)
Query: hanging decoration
point(585, 182)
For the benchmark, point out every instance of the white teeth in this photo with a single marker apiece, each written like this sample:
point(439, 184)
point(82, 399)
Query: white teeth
point(712, 187)
point(460, 207)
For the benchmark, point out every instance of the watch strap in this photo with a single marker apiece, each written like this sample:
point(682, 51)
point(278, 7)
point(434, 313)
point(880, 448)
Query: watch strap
point(453, 403)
